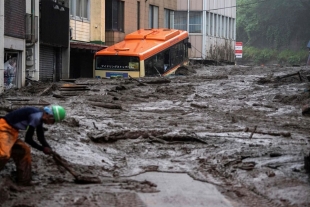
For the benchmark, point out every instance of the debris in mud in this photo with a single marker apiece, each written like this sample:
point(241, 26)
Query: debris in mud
point(73, 87)
point(106, 105)
point(284, 134)
point(58, 96)
point(157, 81)
point(194, 124)
point(245, 166)
point(290, 75)
point(79, 179)
point(306, 110)
point(307, 163)
point(153, 135)
point(139, 186)
point(72, 122)
point(124, 134)
point(185, 70)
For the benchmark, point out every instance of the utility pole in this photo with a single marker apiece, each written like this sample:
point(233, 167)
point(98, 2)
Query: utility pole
point(308, 61)
point(1, 46)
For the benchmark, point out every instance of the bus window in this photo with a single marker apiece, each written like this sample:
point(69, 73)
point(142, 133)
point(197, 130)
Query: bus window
point(117, 62)
point(154, 65)
point(167, 60)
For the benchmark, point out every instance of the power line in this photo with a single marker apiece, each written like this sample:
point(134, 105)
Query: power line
point(242, 5)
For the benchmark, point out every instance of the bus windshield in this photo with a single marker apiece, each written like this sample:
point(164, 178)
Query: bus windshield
point(117, 62)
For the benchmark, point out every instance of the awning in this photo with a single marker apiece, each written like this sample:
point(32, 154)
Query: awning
point(87, 46)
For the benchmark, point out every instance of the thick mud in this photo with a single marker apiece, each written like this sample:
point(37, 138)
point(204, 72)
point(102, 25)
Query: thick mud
point(238, 128)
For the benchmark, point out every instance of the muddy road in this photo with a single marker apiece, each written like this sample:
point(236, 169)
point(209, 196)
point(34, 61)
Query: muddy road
point(238, 128)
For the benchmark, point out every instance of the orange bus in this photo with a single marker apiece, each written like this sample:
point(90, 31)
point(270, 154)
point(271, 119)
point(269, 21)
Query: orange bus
point(146, 52)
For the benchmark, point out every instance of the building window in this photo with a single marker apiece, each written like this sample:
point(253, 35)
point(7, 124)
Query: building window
point(195, 19)
point(233, 26)
point(207, 23)
point(180, 20)
point(227, 27)
point(153, 16)
point(169, 18)
point(223, 27)
point(211, 24)
point(79, 9)
point(195, 22)
point(114, 15)
point(216, 25)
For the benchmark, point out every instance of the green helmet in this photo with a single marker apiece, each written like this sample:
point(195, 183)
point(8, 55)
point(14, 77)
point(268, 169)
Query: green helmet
point(59, 113)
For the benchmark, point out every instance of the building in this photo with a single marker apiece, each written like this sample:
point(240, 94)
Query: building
point(62, 42)
point(211, 25)
point(54, 42)
point(96, 24)
point(15, 38)
point(32, 47)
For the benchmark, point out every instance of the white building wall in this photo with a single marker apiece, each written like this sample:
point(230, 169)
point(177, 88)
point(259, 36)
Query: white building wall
point(32, 71)
point(217, 37)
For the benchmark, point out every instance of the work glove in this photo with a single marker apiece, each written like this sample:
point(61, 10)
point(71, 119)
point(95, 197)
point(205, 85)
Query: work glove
point(47, 150)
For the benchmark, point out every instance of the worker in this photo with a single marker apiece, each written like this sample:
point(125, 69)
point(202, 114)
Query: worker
point(30, 119)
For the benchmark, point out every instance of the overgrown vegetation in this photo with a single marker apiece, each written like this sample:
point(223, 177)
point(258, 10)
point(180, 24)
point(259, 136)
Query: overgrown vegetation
point(274, 30)
point(263, 56)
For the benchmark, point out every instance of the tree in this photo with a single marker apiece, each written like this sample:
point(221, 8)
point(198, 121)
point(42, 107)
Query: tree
point(273, 24)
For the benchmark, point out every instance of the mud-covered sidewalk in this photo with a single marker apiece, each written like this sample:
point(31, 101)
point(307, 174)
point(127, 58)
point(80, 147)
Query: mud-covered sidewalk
point(237, 128)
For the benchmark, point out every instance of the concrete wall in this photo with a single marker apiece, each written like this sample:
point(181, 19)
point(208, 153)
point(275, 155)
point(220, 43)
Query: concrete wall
point(18, 45)
point(80, 30)
point(208, 44)
point(131, 17)
point(32, 71)
point(97, 21)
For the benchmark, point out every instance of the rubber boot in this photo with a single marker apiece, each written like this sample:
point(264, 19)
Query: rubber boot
point(21, 155)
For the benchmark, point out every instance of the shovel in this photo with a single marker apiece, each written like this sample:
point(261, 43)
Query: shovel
point(79, 179)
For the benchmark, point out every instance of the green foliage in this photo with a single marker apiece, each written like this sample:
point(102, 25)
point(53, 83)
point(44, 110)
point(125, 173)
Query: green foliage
point(263, 56)
point(276, 24)
point(259, 56)
point(292, 57)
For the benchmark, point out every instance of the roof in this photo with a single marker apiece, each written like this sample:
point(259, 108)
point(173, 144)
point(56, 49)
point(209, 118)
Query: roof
point(145, 42)
point(87, 46)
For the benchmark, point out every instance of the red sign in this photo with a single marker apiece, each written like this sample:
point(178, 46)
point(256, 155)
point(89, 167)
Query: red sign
point(238, 50)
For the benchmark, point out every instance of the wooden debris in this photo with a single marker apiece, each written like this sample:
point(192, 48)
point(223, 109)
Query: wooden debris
point(95, 125)
point(68, 80)
point(155, 139)
point(152, 135)
point(18, 99)
point(158, 81)
point(31, 104)
point(58, 96)
point(284, 134)
point(307, 163)
point(106, 105)
point(253, 132)
point(70, 93)
point(73, 87)
point(246, 166)
point(140, 83)
point(183, 138)
point(290, 75)
point(46, 90)
point(198, 106)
